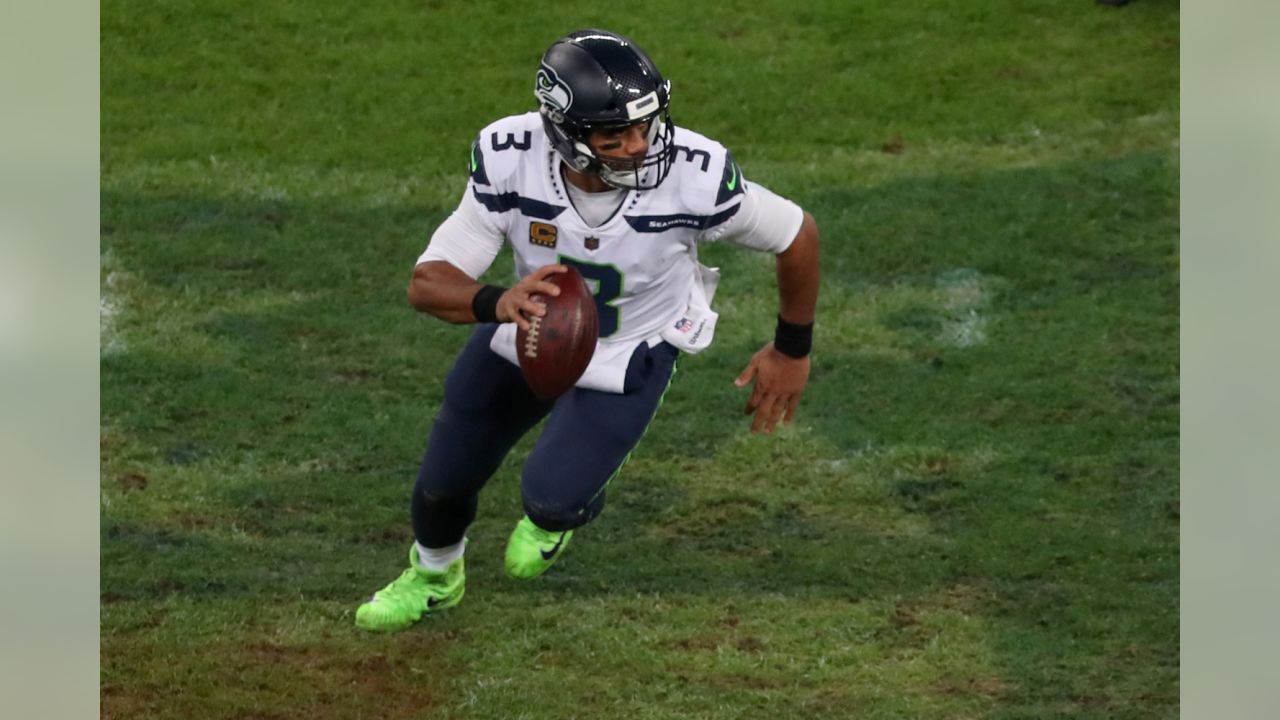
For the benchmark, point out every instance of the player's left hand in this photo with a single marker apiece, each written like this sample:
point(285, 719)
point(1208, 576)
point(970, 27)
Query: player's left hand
point(779, 382)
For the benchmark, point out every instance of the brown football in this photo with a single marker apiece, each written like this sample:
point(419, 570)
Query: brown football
point(558, 346)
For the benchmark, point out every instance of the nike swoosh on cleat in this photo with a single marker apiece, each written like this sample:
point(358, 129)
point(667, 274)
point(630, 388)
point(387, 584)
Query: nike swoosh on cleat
point(733, 181)
point(548, 554)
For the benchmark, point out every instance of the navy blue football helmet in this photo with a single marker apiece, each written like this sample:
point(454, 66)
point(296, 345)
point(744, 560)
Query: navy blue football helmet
point(596, 79)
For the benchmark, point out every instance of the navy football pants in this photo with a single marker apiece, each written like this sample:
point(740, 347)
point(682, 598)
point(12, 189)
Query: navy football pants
point(488, 407)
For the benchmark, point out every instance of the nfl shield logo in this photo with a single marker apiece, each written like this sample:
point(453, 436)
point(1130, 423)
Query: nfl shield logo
point(684, 325)
point(592, 243)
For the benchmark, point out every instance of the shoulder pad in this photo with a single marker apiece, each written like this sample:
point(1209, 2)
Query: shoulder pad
point(500, 146)
point(708, 175)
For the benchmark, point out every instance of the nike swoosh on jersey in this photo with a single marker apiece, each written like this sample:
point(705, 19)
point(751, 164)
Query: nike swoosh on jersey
point(731, 182)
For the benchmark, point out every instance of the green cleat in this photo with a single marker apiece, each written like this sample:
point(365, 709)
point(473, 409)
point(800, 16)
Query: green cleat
point(417, 591)
point(531, 550)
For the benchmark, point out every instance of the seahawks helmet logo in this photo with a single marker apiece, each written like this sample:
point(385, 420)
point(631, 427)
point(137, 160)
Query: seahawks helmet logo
point(553, 94)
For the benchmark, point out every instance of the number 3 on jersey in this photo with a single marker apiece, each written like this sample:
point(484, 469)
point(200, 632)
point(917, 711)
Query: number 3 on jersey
point(608, 286)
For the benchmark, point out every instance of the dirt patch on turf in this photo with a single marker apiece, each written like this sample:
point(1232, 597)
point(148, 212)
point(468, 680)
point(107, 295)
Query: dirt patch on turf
point(986, 686)
point(266, 680)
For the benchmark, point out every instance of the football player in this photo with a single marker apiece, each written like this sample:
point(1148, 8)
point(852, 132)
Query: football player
point(600, 179)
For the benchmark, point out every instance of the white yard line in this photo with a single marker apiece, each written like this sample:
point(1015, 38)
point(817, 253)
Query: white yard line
point(964, 299)
point(110, 304)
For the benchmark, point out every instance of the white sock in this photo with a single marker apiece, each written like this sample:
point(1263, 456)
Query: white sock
point(439, 559)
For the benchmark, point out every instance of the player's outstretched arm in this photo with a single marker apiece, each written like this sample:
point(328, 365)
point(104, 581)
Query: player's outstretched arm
point(781, 373)
point(439, 288)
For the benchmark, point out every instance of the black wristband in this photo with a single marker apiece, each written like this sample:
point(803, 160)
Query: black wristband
point(793, 340)
point(485, 303)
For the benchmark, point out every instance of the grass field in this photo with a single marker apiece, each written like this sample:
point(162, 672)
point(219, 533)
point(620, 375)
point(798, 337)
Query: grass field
point(975, 514)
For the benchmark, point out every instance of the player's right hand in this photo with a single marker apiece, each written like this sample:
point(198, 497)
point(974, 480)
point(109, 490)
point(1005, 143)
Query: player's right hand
point(517, 306)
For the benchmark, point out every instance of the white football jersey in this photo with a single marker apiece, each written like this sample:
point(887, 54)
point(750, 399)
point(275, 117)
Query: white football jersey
point(641, 263)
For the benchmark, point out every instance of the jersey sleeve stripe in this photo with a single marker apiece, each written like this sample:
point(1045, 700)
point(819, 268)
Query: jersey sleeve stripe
point(476, 165)
point(502, 202)
point(663, 223)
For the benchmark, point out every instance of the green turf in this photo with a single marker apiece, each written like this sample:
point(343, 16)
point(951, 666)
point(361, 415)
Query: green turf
point(975, 514)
